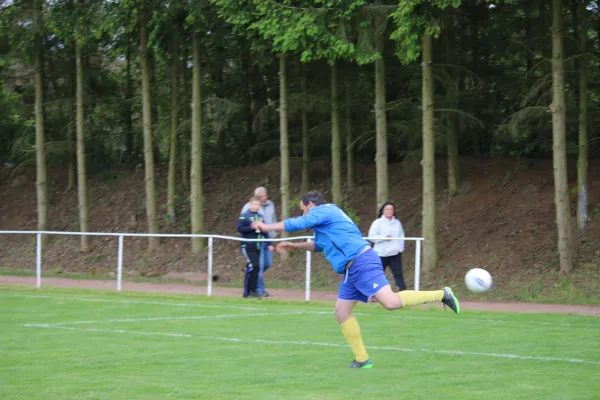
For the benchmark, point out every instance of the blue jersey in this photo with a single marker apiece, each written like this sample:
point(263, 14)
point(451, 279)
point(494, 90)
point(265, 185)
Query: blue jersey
point(335, 234)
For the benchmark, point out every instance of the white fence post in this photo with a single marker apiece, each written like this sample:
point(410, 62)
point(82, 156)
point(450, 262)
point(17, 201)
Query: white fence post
point(120, 264)
point(210, 266)
point(417, 265)
point(38, 261)
point(307, 285)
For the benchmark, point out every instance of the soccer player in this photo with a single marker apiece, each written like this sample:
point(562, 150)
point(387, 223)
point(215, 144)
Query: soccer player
point(349, 254)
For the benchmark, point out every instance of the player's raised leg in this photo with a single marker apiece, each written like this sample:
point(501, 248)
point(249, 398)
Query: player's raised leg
point(351, 330)
point(367, 277)
point(392, 300)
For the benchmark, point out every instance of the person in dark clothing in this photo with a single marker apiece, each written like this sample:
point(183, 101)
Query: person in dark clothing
point(387, 226)
point(251, 250)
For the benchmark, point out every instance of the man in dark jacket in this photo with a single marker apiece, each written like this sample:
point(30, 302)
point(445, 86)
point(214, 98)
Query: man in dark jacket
point(267, 209)
point(251, 250)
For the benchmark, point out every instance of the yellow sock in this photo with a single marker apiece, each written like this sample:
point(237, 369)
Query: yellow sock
point(351, 332)
point(413, 298)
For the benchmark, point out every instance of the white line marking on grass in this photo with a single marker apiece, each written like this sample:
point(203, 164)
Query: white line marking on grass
point(49, 326)
point(324, 344)
point(457, 319)
point(493, 321)
point(110, 330)
point(193, 317)
point(153, 319)
point(160, 303)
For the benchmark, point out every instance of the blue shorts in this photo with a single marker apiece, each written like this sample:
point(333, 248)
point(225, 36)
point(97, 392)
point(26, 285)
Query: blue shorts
point(364, 278)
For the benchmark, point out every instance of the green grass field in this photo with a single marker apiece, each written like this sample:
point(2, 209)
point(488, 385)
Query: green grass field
point(74, 344)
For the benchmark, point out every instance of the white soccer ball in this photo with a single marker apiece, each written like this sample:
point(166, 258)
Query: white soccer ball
point(478, 280)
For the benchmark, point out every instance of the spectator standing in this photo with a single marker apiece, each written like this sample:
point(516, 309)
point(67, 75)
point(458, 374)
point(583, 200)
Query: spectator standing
point(251, 250)
point(267, 210)
point(390, 251)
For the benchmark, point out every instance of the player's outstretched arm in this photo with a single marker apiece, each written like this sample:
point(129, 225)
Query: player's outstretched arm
point(277, 226)
point(310, 220)
point(307, 246)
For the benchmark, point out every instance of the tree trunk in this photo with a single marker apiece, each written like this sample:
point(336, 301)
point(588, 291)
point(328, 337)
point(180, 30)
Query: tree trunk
point(174, 125)
point(582, 162)
point(597, 26)
point(185, 136)
point(185, 176)
point(153, 242)
point(40, 143)
point(574, 30)
point(561, 186)
point(305, 141)
point(381, 156)
point(453, 93)
point(336, 140)
point(128, 106)
point(81, 170)
point(453, 166)
point(197, 195)
point(154, 106)
point(70, 149)
point(284, 146)
point(475, 55)
point(72, 122)
point(249, 104)
point(428, 162)
point(349, 141)
point(219, 122)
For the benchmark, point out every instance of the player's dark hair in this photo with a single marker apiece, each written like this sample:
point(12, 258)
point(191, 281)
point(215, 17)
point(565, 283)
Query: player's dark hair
point(313, 197)
point(387, 203)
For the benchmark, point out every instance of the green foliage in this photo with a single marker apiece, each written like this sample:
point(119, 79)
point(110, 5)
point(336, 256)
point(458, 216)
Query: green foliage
point(350, 212)
point(492, 82)
point(412, 19)
point(293, 204)
point(596, 212)
point(315, 30)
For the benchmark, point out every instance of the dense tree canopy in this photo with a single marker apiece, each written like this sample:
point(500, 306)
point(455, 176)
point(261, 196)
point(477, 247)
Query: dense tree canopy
point(498, 56)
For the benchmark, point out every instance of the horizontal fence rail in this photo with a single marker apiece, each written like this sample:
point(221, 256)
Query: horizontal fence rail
point(121, 240)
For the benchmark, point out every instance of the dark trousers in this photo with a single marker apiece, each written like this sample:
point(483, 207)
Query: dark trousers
point(395, 264)
point(252, 256)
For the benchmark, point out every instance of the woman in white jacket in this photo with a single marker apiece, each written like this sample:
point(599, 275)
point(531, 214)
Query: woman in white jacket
point(390, 251)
